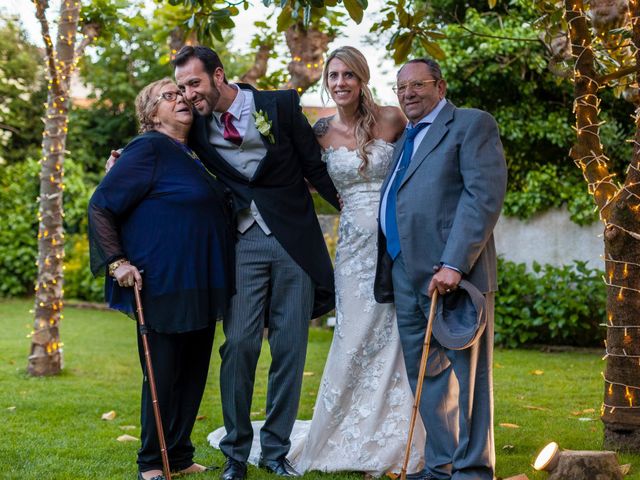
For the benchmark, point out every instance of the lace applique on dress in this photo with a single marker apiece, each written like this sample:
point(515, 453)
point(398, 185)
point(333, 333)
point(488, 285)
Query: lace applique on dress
point(361, 418)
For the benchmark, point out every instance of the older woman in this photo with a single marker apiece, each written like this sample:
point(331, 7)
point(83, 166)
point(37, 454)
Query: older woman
point(160, 219)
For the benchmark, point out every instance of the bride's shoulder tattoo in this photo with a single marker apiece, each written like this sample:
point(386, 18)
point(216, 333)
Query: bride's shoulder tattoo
point(321, 127)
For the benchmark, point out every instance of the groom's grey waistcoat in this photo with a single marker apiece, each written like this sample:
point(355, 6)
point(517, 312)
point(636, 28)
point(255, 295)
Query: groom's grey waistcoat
point(245, 159)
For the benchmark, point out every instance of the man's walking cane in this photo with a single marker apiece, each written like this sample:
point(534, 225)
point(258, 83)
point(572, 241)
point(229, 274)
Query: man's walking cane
point(423, 368)
point(152, 384)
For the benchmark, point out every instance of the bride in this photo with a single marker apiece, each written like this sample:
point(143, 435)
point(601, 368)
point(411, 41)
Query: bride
point(361, 416)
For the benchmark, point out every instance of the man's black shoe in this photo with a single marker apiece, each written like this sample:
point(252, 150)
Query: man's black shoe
point(280, 467)
point(234, 470)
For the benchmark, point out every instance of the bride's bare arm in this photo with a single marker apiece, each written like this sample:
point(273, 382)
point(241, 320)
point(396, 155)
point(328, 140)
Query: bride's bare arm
point(391, 123)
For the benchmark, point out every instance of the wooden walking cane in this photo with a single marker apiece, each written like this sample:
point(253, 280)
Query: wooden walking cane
point(423, 368)
point(152, 384)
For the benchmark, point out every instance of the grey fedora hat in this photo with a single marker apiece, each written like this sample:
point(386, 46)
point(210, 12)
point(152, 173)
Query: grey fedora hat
point(461, 317)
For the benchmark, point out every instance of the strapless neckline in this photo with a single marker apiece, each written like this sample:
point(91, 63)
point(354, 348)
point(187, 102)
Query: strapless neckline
point(345, 149)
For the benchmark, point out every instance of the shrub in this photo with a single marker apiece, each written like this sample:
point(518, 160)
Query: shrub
point(18, 210)
point(549, 305)
point(79, 283)
point(19, 184)
point(321, 206)
point(549, 186)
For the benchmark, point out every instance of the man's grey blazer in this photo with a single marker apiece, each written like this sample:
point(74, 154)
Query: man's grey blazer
point(448, 202)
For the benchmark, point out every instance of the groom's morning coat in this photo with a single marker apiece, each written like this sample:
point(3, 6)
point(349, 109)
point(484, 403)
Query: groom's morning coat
point(278, 186)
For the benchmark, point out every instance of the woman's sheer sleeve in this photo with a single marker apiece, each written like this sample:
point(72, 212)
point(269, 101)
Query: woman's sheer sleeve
point(126, 184)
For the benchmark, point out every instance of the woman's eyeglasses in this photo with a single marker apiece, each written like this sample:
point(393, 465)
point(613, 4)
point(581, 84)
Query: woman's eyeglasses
point(169, 96)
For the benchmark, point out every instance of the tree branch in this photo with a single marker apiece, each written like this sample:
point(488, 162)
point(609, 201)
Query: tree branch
point(623, 72)
point(90, 32)
point(499, 37)
point(10, 128)
point(41, 8)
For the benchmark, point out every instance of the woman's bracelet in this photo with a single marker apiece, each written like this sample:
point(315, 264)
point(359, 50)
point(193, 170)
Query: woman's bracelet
point(113, 266)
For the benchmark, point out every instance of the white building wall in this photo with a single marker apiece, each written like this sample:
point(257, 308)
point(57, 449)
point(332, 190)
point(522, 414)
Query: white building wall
point(550, 237)
point(547, 238)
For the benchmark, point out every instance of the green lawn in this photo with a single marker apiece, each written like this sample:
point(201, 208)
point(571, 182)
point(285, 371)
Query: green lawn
point(50, 428)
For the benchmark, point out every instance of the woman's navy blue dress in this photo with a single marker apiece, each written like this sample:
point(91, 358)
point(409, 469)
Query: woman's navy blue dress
point(161, 209)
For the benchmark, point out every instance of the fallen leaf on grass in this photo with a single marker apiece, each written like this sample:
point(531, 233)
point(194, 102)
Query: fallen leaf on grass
point(109, 415)
point(128, 427)
point(11, 409)
point(625, 469)
point(308, 374)
point(537, 372)
point(509, 425)
point(201, 417)
point(577, 413)
point(126, 438)
point(508, 448)
point(533, 407)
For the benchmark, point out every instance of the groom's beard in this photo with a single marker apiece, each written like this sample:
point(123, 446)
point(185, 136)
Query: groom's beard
point(205, 103)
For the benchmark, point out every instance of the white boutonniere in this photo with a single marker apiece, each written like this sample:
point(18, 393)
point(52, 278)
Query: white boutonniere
point(263, 124)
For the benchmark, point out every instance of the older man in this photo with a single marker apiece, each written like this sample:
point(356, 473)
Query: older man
point(440, 203)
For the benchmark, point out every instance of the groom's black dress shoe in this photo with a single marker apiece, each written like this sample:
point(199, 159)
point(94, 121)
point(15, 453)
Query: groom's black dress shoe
point(280, 467)
point(234, 470)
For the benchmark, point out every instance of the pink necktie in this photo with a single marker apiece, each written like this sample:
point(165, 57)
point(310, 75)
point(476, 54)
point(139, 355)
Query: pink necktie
point(230, 133)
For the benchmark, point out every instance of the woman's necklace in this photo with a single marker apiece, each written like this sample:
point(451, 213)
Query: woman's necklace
point(186, 149)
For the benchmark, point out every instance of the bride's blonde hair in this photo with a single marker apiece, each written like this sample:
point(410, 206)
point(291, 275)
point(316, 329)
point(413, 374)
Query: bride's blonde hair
point(367, 108)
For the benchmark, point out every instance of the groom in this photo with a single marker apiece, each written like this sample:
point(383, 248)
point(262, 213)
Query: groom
point(440, 203)
point(261, 146)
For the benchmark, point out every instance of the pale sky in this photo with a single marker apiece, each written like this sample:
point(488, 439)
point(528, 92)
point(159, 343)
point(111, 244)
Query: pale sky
point(382, 69)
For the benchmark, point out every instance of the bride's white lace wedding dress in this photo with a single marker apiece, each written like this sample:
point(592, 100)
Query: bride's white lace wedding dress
point(362, 412)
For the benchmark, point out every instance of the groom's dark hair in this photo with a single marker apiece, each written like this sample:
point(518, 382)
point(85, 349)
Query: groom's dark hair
point(208, 57)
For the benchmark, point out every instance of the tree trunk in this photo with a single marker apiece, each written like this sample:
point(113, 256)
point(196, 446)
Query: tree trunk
point(45, 357)
point(259, 67)
point(178, 39)
point(586, 465)
point(619, 207)
point(621, 411)
point(308, 48)
point(621, 414)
